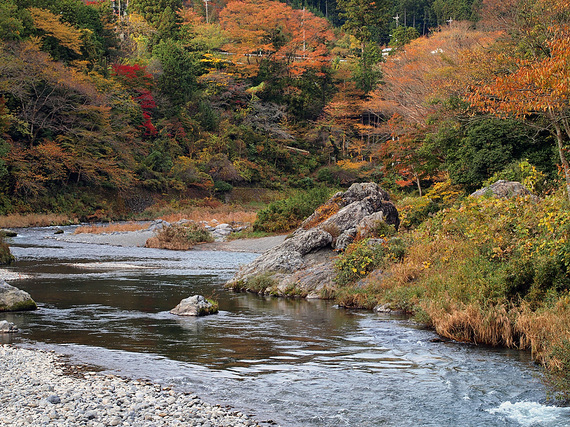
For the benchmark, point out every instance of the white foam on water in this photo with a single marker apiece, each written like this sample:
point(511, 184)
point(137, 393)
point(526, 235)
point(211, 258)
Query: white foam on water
point(109, 266)
point(533, 413)
point(8, 275)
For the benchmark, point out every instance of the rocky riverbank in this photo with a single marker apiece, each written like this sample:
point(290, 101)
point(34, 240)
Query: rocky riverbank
point(38, 388)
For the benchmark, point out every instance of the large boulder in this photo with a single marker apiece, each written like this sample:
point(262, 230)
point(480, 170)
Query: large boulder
point(195, 305)
point(14, 299)
point(503, 189)
point(303, 264)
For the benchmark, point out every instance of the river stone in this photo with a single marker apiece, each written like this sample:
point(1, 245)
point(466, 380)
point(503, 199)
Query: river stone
point(195, 305)
point(293, 266)
point(7, 233)
point(14, 299)
point(503, 189)
point(7, 327)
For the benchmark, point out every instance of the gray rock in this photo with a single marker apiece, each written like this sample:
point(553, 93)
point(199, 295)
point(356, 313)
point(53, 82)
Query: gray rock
point(158, 225)
point(7, 233)
point(7, 327)
point(14, 299)
point(345, 239)
point(54, 399)
point(332, 227)
point(503, 189)
point(195, 305)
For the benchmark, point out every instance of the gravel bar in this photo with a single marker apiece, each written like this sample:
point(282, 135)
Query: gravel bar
point(38, 388)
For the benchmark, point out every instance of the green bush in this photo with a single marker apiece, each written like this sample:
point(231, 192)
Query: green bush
point(287, 214)
point(6, 256)
point(359, 259)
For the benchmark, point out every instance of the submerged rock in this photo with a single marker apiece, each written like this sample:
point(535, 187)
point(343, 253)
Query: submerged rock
point(303, 264)
point(14, 299)
point(7, 233)
point(195, 305)
point(7, 327)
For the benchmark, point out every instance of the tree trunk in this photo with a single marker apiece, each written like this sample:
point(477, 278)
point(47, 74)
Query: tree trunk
point(418, 183)
point(563, 160)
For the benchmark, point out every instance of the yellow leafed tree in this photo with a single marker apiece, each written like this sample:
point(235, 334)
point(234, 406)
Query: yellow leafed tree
point(66, 34)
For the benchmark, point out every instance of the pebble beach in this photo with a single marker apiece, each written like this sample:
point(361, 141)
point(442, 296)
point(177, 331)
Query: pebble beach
point(38, 388)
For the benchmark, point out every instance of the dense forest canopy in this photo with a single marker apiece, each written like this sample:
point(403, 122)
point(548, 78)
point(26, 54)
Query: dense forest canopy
point(108, 105)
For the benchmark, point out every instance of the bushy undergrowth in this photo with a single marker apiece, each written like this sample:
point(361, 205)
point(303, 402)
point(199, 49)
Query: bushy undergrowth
point(357, 261)
point(490, 271)
point(180, 237)
point(6, 256)
point(287, 214)
point(415, 210)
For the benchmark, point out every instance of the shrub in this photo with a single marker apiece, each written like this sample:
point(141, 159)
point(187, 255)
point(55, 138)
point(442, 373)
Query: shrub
point(415, 210)
point(180, 237)
point(6, 256)
point(287, 214)
point(359, 259)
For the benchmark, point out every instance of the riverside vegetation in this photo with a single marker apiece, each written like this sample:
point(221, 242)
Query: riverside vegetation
point(486, 270)
point(107, 113)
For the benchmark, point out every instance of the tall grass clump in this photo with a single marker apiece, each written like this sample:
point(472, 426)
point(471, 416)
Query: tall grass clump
point(287, 214)
point(490, 271)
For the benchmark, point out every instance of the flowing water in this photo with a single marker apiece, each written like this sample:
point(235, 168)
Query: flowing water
point(296, 362)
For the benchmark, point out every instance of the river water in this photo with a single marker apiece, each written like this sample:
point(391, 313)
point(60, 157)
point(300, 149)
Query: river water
point(289, 362)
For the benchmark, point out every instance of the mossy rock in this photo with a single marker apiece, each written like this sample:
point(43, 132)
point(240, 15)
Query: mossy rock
point(14, 299)
point(6, 256)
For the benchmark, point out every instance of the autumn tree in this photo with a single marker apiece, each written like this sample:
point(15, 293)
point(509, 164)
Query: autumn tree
point(422, 85)
point(534, 83)
point(11, 25)
point(269, 30)
point(54, 30)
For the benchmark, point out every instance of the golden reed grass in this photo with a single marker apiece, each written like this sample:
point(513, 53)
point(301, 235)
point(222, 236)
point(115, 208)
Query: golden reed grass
point(222, 214)
point(112, 227)
point(494, 325)
point(33, 220)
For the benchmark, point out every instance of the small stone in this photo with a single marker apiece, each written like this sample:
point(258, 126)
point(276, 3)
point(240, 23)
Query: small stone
point(7, 327)
point(54, 399)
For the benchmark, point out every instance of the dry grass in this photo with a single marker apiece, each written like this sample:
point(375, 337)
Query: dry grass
point(223, 214)
point(112, 227)
point(179, 237)
point(34, 220)
point(546, 329)
point(495, 325)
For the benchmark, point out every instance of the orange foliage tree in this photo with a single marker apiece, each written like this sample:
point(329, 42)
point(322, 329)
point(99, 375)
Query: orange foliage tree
point(419, 81)
point(264, 29)
point(534, 83)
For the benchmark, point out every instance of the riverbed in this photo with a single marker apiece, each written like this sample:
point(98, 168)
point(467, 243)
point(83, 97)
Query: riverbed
point(288, 361)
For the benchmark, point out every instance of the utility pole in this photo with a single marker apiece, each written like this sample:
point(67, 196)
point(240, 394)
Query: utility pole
point(207, 18)
point(397, 18)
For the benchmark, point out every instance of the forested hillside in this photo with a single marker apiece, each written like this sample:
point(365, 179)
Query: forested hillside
point(107, 106)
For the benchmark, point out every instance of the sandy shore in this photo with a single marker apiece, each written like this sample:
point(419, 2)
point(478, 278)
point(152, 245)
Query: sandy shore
point(139, 238)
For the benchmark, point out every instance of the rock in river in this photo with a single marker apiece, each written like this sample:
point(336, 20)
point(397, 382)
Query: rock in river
point(303, 264)
point(196, 305)
point(14, 299)
point(7, 327)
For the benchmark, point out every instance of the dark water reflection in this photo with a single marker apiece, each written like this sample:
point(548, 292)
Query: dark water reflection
point(298, 362)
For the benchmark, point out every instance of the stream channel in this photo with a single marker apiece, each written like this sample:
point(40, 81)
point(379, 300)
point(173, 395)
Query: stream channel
point(295, 362)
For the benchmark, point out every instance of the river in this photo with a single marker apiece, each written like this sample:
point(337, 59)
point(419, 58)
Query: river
point(285, 361)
